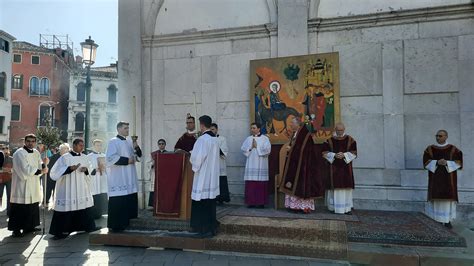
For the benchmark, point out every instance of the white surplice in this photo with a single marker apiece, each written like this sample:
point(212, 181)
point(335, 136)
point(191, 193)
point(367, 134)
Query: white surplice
point(443, 211)
point(205, 162)
point(121, 179)
point(98, 181)
point(72, 191)
point(25, 187)
point(339, 200)
point(256, 167)
point(225, 151)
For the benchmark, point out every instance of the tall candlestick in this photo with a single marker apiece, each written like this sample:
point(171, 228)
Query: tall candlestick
point(195, 105)
point(134, 133)
point(196, 121)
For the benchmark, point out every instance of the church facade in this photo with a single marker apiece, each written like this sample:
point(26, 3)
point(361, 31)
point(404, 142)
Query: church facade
point(405, 68)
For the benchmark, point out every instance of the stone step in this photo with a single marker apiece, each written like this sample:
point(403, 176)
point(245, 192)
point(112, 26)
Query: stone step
point(301, 247)
point(153, 224)
point(320, 230)
point(226, 243)
point(291, 229)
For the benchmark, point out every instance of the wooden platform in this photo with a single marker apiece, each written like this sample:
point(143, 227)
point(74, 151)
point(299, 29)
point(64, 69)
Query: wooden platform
point(375, 237)
point(304, 238)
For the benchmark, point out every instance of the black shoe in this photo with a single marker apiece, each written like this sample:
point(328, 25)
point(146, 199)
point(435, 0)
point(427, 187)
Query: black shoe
point(349, 213)
point(17, 233)
point(116, 230)
point(251, 206)
point(260, 206)
point(448, 225)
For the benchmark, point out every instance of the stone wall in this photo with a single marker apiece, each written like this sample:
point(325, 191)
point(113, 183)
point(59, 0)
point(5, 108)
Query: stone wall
point(404, 74)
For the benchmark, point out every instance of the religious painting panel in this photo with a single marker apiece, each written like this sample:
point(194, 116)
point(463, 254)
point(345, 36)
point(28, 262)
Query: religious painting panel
point(298, 86)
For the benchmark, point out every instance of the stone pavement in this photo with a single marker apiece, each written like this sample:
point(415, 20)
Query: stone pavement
point(75, 250)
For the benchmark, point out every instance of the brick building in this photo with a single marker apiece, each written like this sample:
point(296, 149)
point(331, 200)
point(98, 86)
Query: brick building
point(40, 88)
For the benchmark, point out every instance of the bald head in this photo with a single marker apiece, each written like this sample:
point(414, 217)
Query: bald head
point(340, 128)
point(295, 123)
point(441, 136)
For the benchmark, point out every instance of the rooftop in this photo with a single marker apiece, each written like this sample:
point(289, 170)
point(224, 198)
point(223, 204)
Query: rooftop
point(110, 69)
point(26, 46)
point(6, 35)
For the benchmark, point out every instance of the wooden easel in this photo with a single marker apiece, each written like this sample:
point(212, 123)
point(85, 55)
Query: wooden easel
point(279, 196)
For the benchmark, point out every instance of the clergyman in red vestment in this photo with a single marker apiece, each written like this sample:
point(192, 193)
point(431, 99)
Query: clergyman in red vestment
point(340, 150)
point(187, 140)
point(302, 181)
point(442, 160)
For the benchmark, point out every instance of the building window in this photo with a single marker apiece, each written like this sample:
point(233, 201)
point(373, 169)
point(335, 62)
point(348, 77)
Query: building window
point(81, 92)
point(17, 82)
point(44, 87)
point(16, 112)
point(112, 90)
point(79, 126)
point(2, 127)
point(4, 45)
point(111, 122)
point(35, 60)
point(17, 58)
point(3, 85)
point(95, 122)
point(34, 86)
point(46, 113)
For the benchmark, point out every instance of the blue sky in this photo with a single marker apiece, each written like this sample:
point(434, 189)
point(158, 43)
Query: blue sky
point(27, 19)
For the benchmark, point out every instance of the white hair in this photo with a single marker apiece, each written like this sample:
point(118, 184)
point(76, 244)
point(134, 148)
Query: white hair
point(297, 120)
point(63, 148)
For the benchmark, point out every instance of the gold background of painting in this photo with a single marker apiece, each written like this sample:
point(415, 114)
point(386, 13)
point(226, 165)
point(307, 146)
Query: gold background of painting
point(292, 93)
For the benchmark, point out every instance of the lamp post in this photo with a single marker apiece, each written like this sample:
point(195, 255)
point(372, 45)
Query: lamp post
point(89, 49)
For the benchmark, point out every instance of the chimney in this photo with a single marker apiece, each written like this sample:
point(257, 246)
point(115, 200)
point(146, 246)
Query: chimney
point(58, 52)
point(78, 62)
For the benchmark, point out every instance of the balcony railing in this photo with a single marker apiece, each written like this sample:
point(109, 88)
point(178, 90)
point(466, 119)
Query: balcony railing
point(42, 123)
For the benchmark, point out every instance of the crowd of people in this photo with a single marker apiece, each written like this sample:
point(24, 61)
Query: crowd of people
point(84, 187)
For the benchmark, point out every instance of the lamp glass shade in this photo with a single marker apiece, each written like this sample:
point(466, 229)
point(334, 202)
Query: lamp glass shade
point(89, 49)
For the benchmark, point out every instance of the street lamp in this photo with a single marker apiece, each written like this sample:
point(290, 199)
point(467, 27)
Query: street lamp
point(89, 49)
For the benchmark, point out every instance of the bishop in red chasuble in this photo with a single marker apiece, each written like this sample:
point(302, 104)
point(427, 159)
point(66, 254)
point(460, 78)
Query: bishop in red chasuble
point(302, 175)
